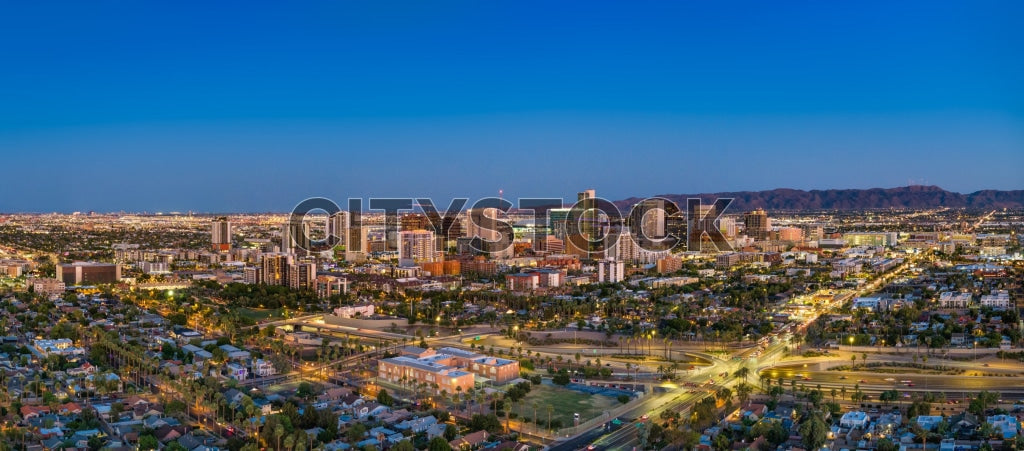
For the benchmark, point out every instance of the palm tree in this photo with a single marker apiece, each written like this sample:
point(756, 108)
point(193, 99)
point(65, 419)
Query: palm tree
point(535, 421)
point(250, 411)
point(278, 433)
point(723, 394)
point(743, 392)
point(742, 373)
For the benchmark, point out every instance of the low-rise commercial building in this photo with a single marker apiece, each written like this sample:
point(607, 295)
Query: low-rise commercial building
point(447, 369)
point(79, 273)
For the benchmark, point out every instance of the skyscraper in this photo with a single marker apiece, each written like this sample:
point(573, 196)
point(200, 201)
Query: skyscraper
point(582, 225)
point(416, 246)
point(610, 271)
point(757, 224)
point(337, 227)
point(588, 225)
point(451, 230)
point(647, 218)
point(557, 219)
point(622, 246)
point(488, 234)
point(415, 221)
point(220, 234)
point(357, 246)
point(728, 227)
point(275, 268)
point(302, 275)
point(700, 219)
point(295, 237)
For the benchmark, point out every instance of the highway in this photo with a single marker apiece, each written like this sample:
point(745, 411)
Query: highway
point(681, 400)
point(873, 382)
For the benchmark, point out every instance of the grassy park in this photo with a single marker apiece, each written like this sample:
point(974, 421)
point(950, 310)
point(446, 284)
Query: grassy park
point(564, 403)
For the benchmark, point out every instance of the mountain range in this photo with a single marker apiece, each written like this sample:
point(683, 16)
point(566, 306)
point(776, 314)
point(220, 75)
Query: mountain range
point(912, 197)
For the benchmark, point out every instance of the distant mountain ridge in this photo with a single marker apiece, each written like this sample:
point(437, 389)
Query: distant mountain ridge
point(917, 196)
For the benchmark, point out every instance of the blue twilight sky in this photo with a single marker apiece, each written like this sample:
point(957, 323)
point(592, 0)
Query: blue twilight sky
point(253, 106)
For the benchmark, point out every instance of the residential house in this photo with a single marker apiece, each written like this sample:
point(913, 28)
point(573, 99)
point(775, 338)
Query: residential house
point(469, 441)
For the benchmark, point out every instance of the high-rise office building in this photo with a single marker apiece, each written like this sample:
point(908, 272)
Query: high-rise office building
point(486, 235)
point(588, 201)
point(700, 224)
point(337, 227)
point(647, 218)
point(648, 222)
point(346, 227)
point(757, 224)
point(286, 238)
point(358, 245)
point(416, 221)
point(451, 230)
point(220, 234)
point(583, 227)
point(557, 220)
point(295, 237)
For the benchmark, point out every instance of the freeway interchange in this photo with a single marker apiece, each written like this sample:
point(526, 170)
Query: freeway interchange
point(720, 374)
point(715, 371)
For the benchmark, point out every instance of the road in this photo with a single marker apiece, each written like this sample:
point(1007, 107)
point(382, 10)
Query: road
point(871, 381)
point(681, 400)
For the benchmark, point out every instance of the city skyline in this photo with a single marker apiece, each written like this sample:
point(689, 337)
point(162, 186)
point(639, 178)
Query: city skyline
point(561, 226)
point(223, 109)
